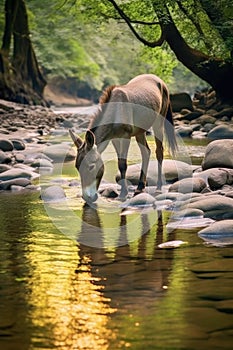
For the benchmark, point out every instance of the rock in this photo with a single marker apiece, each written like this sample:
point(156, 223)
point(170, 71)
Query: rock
point(4, 167)
point(218, 154)
point(60, 152)
point(221, 132)
point(31, 157)
point(53, 193)
point(17, 173)
point(184, 130)
point(109, 192)
point(41, 163)
point(4, 158)
point(141, 199)
point(169, 195)
point(74, 182)
point(19, 157)
point(189, 212)
point(188, 223)
point(188, 185)
point(6, 145)
point(192, 115)
point(19, 145)
point(205, 118)
point(173, 170)
point(180, 101)
point(214, 206)
point(198, 134)
point(219, 233)
point(220, 177)
point(22, 182)
point(225, 112)
point(208, 126)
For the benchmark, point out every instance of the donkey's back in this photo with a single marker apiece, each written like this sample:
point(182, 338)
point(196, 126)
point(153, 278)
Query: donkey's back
point(147, 90)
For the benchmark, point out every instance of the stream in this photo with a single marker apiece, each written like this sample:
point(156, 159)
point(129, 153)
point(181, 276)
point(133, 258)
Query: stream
point(89, 278)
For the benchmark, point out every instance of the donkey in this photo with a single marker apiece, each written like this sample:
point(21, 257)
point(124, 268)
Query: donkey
point(125, 111)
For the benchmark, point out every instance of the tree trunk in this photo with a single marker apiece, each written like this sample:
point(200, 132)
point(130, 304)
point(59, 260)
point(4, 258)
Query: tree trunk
point(218, 73)
point(20, 76)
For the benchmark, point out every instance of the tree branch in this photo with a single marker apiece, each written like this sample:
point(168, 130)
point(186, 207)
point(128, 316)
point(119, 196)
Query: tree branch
point(129, 22)
point(194, 20)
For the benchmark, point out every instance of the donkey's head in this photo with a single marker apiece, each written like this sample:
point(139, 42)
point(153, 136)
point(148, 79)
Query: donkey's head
point(89, 165)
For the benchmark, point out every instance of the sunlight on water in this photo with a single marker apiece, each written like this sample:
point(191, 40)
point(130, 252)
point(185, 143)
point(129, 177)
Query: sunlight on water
point(58, 291)
point(68, 304)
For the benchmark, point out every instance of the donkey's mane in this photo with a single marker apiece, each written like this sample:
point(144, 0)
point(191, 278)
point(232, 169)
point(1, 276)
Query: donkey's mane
point(104, 98)
point(106, 95)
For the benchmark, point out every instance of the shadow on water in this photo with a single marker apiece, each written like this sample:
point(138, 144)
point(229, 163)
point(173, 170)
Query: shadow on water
point(134, 273)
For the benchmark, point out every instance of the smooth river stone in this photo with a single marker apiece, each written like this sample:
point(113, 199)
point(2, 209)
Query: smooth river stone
point(60, 153)
point(223, 228)
point(218, 154)
point(6, 145)
point(22, 182)
point(17, 173)
point(141, 199)
point(53, 193)
point(188, 185)
point(173, 170)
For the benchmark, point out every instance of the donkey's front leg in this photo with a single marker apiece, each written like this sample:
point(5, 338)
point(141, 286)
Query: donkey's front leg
point(122, 165)
point(122, 146)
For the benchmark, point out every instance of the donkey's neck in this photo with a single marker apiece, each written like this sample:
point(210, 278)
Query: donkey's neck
point(101, 130)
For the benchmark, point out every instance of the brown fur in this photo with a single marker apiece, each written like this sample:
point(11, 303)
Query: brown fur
point(106, 95)
point(126, 111)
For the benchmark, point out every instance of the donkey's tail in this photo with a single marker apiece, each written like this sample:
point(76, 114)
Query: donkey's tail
point(170, 131)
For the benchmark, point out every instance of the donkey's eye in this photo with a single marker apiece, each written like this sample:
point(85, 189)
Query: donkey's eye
point(91, 167)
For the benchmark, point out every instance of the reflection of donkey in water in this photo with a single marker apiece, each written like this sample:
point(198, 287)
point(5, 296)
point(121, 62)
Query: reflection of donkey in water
point(125, 111)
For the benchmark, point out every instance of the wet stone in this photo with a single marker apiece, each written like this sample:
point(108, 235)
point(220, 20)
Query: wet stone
point(17, 173)
point(22, 182)
point(109, 193)
point(60, 152)
point(6, 145)
point(19, 145)
point(4, 158)
point(4, 167)
point(19, 158)
point(188, 185)
point(41, 163)
point(142, 199)
point(53, 193)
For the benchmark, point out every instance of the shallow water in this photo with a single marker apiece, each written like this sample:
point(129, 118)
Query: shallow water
point(80, 277)
point(58, 293)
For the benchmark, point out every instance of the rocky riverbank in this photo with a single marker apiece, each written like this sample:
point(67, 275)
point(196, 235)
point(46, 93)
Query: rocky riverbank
point(31, 141)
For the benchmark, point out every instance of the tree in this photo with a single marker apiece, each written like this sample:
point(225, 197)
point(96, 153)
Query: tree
point(20, 76)
point(199, 32)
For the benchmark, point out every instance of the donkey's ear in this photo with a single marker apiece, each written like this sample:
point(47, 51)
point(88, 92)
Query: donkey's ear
point(76, 139)
point(90, 139)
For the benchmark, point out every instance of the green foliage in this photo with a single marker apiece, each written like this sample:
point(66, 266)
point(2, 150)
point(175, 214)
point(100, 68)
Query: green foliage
point(85, 39)
point(71, 41)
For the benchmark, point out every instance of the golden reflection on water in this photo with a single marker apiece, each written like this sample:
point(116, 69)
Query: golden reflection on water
point(67, 309)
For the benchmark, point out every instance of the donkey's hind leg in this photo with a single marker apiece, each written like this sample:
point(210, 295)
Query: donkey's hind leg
point(158, 129)
point(145, 152)
point(122, 146)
